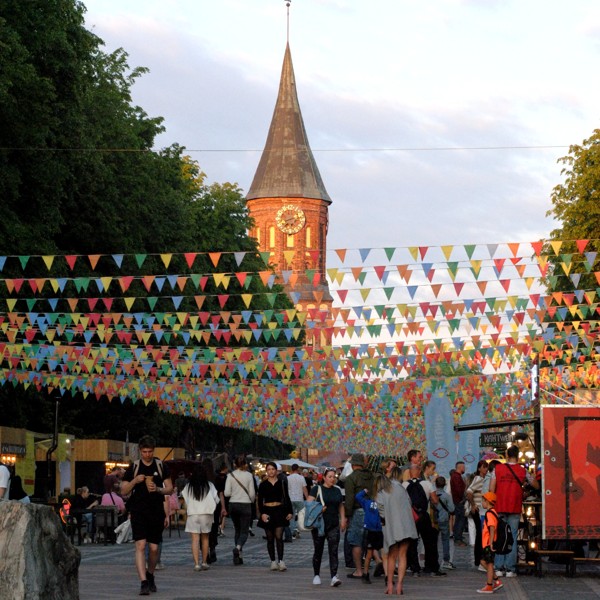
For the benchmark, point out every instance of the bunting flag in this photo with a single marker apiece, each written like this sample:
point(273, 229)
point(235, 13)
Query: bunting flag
point(185, 331)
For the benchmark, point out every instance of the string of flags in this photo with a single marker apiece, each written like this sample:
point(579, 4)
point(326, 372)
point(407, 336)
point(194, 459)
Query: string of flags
point(202, 336)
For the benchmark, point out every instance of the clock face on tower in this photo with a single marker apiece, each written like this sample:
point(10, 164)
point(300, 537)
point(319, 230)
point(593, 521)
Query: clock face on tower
point(290, 219)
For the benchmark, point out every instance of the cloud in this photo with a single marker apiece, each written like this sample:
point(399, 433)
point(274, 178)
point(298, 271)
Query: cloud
point(215, 102)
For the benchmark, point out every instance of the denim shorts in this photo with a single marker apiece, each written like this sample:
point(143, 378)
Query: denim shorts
point(356, 531)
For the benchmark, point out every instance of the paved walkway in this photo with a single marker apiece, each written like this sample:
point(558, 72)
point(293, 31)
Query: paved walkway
point(107, 572)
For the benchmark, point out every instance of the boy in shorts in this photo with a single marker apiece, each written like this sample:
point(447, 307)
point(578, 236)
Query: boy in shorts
point(374, 532)
point(488, 537)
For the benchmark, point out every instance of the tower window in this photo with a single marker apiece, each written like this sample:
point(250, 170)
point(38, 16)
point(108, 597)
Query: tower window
point(290, 241)
point(308, 236)
point(258, 235)
point(271, 237)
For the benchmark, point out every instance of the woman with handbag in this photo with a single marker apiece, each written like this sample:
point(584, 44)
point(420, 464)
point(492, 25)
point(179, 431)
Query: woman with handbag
point(334, 517)
point(473, 507)
point(239, 488)
point(274, 513)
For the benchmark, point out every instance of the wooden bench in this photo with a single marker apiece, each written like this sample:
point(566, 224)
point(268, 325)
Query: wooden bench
point(575, 561)
point(568, 554)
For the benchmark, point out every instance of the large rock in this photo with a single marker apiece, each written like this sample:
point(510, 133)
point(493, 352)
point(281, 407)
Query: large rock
point(37, 560)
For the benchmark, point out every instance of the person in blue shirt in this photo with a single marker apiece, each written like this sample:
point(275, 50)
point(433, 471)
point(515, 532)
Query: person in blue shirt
point(374, 531)
point(443, 509)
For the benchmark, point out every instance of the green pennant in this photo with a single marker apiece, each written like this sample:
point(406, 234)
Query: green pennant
point(81, 283)
point(139, 259)
point(379, 310)
point(271, 298)
point(31, 303)
point(469, 249)
point(265, 257)
point(389, 252)
point(23, 260)
point(388, 291)
point(453, 268)
point(152, 300)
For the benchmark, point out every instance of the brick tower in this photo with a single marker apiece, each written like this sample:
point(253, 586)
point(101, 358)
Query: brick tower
point(289, 204)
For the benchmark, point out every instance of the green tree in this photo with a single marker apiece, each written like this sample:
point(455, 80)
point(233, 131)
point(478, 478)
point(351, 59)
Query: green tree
point(78, 174)
point(576, 206)
point(574, 261)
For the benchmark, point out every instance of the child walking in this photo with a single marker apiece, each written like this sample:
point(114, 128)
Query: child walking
point(444, 508)
point(488, 537)
point(374, 531)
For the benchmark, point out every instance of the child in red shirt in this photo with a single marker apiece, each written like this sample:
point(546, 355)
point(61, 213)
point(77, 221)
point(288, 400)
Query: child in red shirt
point(488, 537)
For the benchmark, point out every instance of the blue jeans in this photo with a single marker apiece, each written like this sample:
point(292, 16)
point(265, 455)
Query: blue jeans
point(508, 562)
point(459, 523)
point(444, 528)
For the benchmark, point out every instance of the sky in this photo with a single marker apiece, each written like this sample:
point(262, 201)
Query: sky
point(432, 123)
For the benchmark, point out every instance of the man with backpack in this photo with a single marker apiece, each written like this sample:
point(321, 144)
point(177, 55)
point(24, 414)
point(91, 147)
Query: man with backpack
point(507, 483)
point(149, 481)
point(420, 492)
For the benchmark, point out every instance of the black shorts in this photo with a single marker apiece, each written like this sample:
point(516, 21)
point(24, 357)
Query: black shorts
point(147, 527)
point(374, 540)
point(488, 555)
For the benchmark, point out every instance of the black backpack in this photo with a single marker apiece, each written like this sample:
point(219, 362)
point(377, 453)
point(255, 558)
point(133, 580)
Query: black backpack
point(418, 497)
point(504, 537)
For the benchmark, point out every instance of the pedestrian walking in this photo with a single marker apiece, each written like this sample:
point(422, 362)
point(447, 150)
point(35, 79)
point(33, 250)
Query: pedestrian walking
point(201, 499)
point(488, 537)
point(334, 517)
point(239, 488)
point(148, 481)
point(397, 523)
point(274, 513)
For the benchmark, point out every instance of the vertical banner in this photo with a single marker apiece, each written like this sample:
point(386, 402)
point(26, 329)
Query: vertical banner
point(439, 433)
point(468, 441)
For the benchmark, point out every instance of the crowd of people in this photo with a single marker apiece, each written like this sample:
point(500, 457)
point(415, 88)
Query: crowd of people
point(391, 518)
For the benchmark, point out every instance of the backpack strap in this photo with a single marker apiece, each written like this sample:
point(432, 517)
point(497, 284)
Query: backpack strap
point(157, 461)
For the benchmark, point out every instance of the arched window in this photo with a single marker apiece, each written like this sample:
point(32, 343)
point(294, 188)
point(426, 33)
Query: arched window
point(258, 235)
point(290, 241)
point(308, 236)
point(271, 237)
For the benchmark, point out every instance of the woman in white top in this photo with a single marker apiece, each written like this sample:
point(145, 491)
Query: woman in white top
point(201, 499)
point(475, 507)
point(239, 488)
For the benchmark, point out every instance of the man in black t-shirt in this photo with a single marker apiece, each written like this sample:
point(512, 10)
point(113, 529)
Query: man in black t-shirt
point(149, 481)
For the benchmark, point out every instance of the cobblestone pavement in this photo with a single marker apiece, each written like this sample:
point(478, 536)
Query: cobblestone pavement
point(109, 572)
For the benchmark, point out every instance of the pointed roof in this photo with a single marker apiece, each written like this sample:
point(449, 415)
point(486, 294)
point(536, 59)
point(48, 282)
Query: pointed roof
point(287, 167)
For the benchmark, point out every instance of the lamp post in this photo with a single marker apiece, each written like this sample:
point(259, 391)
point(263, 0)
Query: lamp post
point(56, 395)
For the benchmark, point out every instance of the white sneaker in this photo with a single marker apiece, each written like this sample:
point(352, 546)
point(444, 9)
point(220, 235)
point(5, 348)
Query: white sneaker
point(511, 574)
point(274, 566)
point(316, 580)
point(205, 567)
point(448, 566)
point(196, 567)
point(282, 566)
point(335, 582)
point(499, 573)
point(482, 569)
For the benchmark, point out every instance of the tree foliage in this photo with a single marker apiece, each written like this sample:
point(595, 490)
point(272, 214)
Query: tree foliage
point(79, 175)
point(576, 206)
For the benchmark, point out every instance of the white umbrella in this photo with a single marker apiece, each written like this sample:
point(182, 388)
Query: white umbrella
point(295, 461)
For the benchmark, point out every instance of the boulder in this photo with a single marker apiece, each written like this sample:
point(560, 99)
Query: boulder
point(37, 560)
